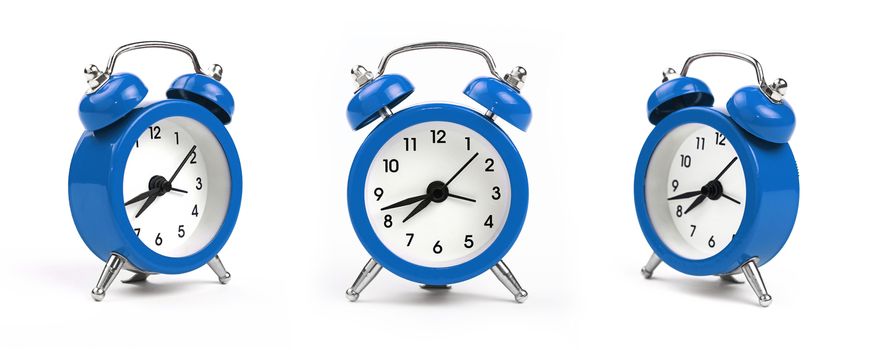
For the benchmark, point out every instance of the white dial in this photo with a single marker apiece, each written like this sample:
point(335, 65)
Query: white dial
point(176, 187)
point(446, 192)
point(695, 191)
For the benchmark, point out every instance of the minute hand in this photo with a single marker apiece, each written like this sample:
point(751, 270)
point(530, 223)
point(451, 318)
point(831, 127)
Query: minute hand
point(726, 169)
point(461, 169)
point(183, 162)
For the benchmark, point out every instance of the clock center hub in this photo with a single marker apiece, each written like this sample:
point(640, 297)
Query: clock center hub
point(712, 190)
point(437, 190)
point(159, 182)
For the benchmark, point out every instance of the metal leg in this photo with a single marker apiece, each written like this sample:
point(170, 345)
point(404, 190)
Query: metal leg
point(218, 267)
point(137, 277)
point(504, 274)
point(750, 270)
point(113, 266)
point(730, 279)
point(651, 265)
point(365, 277)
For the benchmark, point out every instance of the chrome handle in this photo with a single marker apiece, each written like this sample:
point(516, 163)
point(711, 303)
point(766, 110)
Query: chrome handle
point(440, 45)
point(97, 78)
point(775, 91)
point(110, 67)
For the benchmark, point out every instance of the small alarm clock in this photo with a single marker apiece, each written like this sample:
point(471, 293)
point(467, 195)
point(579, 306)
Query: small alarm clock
point(716, 191)
point(437, 193)
point(155, 187)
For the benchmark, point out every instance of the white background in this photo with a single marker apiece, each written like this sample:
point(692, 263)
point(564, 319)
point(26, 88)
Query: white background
point(293, 253)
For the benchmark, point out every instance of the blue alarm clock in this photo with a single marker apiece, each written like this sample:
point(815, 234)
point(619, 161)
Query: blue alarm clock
point(437, 193)
point(716, 191)
point(155, 187)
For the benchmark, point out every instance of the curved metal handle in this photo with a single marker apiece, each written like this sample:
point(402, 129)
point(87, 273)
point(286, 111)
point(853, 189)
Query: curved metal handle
point(97, 78)
point(440, 45)
point(759, 73)
point(110, 67)
point(775, 92)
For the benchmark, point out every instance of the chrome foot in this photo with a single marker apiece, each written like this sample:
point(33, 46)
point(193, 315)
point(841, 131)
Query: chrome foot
point(651, 266)
point(113, 267)
point(753, 276)
point(218, 267)
point(504, 274)
point(365, 277)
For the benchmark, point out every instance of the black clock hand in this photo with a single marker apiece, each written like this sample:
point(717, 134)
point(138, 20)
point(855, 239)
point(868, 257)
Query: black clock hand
point(685, 195)
point(187, 157)
point(730, 199)
point(418, 208)
point(405, 202)
point(461, 169)
point(147, 204)
point(460, 197)
point(726, 169)
point(142, 196)
point(695, 203)
point(177, 190)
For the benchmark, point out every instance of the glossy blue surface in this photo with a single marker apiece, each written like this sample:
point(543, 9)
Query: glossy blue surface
point(676, 94)
point(446, 113)
point(96, 187)
point(767, 120)
point(204, 91)
point(771, 203)
point(112, 101)
point(387, 90)
point(502, 100)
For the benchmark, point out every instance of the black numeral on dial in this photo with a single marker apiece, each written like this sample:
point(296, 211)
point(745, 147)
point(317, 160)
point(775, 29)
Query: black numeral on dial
point(391, 165)
point(438, 136)
point(155, 132)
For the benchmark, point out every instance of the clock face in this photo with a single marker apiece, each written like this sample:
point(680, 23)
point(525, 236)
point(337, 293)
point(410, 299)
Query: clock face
point(437, 194)
point(176, 187)
point(695, 191)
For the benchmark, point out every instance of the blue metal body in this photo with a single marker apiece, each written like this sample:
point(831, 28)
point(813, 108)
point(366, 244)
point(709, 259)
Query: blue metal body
point(96, 187)
point(772, 193)
point(446, 113)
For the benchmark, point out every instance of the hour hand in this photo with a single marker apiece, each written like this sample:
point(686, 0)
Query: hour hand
point(418, 208)
point(146, 205)
point(142, 196)
point(695, 203)
point(405, 202)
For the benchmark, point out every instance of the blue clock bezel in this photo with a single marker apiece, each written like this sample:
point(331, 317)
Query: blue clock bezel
point(96, 188)
point(772, 193)
point(445, 113)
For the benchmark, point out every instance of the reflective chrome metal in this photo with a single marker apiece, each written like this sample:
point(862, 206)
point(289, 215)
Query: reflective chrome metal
point(774, 92)
point(440, 45)
point(651, 265)
point(97, 78)
point(669, 74)
point(113, 267)
point(516, 78)
point(753, 276)
point(218, 267)
point(368, 273)
point(504, 274)
point(361, 76)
